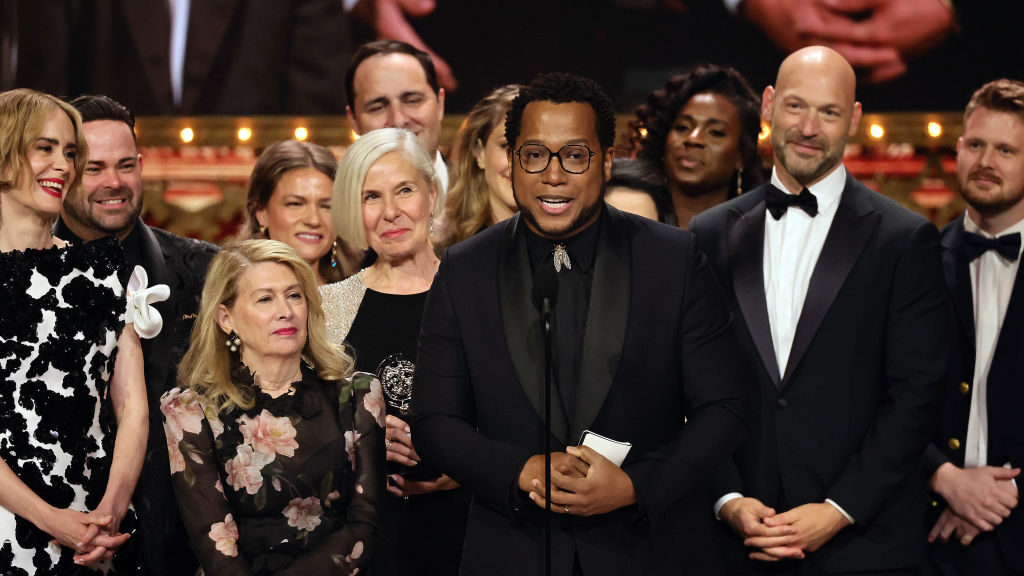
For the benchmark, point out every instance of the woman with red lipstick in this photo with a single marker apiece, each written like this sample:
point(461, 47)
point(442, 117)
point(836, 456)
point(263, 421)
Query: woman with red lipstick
point(276, 447)
point(73, 419)
point(481, 190)
point(289, 200)
point(700, 131)
point(385, 196)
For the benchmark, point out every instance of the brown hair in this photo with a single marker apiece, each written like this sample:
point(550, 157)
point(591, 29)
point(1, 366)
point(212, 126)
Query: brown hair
point(23, 113)
point(1002, 95)
point(206, 367)
point(468, 208)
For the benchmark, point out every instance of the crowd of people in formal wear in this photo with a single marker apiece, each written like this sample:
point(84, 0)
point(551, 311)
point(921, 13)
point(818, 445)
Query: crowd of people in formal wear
point(528, 358)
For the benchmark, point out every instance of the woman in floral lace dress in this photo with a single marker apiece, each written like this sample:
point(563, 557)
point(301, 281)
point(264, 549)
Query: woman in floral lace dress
point(276, 450)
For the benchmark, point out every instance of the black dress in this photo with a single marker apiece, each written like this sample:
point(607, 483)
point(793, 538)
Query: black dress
point(61, 314)
point(423, 534)
point(289, 486)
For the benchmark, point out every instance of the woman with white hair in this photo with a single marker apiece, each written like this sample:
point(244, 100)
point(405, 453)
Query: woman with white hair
point(386, 195)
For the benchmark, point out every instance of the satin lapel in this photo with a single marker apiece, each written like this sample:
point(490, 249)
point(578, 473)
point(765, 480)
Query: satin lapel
point(522, 325)
point(958, 278)
point(851, 228)
point(209, 22)
point(745, 237)
point(149, 23)
point(1012, 322)
point(607, 315)
point(156, 350)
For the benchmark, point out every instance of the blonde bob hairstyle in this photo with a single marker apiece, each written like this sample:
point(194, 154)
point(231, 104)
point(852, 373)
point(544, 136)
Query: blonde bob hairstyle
point(23, 113)
point(206, 367)
point(468, 207)
point(347, 199)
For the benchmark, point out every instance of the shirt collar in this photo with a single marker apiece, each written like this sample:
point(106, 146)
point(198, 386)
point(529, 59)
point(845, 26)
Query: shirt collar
point(582, 247)
point(828, 190)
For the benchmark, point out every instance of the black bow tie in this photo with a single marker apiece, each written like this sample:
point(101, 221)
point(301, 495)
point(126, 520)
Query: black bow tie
point(1007, 245)
point(778, 202)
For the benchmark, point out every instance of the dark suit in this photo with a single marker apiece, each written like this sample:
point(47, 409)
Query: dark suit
point(656, 348)
point(852, 414)
point(241, 56)
point(1005, 402)
point(181, 264)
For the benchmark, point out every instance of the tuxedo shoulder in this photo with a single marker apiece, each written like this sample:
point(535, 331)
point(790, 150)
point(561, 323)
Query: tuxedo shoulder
point(642, 229)
point(484, 244)
point(192, 253)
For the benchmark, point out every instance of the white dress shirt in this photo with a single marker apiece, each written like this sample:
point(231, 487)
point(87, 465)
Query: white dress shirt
point(992, 278)
point(441, 167)
point(792, 245)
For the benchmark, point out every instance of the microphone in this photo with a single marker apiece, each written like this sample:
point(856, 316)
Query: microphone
point(545, 287)
point(544, 295)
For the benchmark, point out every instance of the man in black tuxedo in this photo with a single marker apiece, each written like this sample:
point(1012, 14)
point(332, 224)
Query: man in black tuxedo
point(842, 313)
point(975, 458)
point(108, 202)
point(644, 355)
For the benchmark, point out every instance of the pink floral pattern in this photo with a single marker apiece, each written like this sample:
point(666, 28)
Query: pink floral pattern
point(351, 437)
point(225, 534)
point(269, 434)
point(304, 513)
point(373, 402)
point(244, 470)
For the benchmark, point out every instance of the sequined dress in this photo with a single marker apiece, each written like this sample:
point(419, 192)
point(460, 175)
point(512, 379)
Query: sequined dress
point(61, 314)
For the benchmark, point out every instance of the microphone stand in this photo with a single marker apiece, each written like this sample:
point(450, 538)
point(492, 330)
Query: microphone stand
point(546, 324)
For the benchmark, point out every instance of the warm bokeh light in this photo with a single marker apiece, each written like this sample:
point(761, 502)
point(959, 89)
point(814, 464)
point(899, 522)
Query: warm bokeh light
point(766, 132)
point(643, 132)
point(244, 133)
point(354, 135)
point(301, 133)
point(876, 131)
point(934, 129)
point(187, 135)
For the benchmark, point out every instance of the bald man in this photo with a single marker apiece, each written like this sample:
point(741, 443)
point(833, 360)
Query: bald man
point(841, 314)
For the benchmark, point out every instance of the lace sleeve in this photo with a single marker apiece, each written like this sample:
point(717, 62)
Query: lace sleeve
point(350, 549)
point(195, 475)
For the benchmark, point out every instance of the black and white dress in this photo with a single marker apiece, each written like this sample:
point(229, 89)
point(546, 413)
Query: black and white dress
point(61, 314)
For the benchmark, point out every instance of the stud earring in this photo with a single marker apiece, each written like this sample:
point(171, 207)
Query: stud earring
point(233, 341)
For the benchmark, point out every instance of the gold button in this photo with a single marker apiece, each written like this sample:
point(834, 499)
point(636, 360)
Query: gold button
point(965, 388)
point(954, 444)
point(935, 503)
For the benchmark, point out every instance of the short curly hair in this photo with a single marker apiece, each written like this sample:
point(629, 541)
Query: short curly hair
point(653, 119)
point(562, 88)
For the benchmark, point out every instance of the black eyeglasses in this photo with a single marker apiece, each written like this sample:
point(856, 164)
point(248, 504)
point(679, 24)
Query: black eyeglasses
point(574, 158)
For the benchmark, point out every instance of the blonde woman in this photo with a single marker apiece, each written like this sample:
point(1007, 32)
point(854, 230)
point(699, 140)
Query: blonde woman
point(386, 194)
point(481, 191)
point(276, 449)
point(73, 420)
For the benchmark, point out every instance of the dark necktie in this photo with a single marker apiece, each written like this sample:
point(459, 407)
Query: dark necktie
point(1007, 245)
point(778, 202)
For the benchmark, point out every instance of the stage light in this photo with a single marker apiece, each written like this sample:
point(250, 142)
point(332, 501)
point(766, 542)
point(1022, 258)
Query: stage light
point(244, 133)
point(934, 129)
point(187, 135)
point(301, 133)
point(643, 132)
point(876, 131)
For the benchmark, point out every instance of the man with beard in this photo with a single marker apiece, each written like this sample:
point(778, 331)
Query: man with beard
point(108, 202)
point(975, 457)
point(642, 345)
point(842, 314)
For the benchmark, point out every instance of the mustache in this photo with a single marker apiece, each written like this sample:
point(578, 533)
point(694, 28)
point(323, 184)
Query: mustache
point(984, 173)
point(814, 141)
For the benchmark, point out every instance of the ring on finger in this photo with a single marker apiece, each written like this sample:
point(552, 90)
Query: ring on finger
point(387, 445)
point(566, 508)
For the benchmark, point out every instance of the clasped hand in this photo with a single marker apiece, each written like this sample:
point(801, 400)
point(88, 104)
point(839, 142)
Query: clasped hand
point(583, 482)
point(93, 536)
point(979, 499)
point(789, 535)
point(398, 441)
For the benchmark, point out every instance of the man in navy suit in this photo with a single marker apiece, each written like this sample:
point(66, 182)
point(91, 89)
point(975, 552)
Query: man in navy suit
point(842, 314)
point(975, 458)
point(644, 355)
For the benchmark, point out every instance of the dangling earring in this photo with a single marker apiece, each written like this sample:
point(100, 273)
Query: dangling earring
point(430, 225)
point(263, 232)
point(739, 181)
point(233, 341)
point(334, 254)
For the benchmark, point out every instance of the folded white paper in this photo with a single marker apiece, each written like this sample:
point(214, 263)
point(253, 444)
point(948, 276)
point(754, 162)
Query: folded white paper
point(611, 449)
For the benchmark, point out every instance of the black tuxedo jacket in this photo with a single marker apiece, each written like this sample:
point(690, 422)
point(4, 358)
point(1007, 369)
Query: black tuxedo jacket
point(181, 264)
point(241, 56)
point(656, 349)
point(853, 412)
point(1005, 387)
